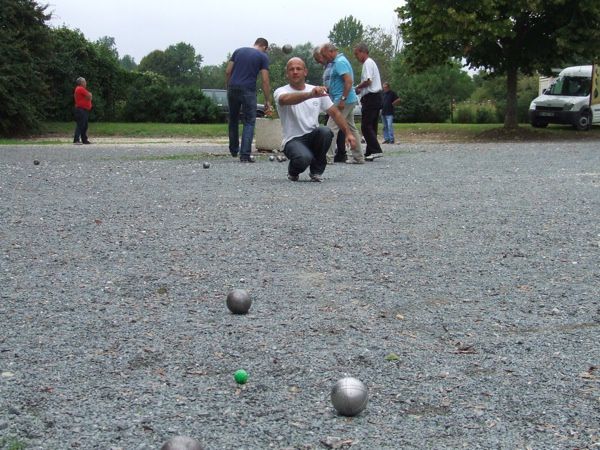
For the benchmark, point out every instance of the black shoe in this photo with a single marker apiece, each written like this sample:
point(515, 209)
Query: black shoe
point(340, 158)
point(234, 154)
point(86, 142)
point(247, 160)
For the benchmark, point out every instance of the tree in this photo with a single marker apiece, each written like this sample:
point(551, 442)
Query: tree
point(381, 50)
point(23, 54)
point(178, 63)
point(213, 77)
point(346, 32)
point(128, 63)
point(501, 36)
point(494, 89)
point(109, 44)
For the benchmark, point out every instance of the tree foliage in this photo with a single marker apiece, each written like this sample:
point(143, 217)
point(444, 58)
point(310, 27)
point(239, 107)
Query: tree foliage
point(427, 96)
point(213, 77)
point(381, 50)
point(73, 56)
point(152, 99)
point(346, 32)
point(23, 55)
point(501, 36)
point(128, 63)
point(179, 64)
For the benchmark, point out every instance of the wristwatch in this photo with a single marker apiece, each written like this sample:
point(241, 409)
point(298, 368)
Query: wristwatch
point(343, 98)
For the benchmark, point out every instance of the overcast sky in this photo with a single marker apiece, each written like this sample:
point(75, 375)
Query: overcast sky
point(214, 28)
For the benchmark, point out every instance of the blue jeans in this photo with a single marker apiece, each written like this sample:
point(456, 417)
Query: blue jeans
point(241, 99)
point(388, 128)
point(309, 150)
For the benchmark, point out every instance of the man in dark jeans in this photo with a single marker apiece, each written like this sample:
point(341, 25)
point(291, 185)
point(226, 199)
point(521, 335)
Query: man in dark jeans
point(242, 69)
point(371, 99)
point(305, 142)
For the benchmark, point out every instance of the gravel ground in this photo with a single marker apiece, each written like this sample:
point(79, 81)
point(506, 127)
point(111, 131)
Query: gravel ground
point(459, 282)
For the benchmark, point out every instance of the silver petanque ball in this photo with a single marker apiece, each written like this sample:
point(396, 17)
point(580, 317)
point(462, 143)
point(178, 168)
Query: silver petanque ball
point(271, 158)
point(206, 165)
point(287, 49)
point(252, 158)
point(182, 443)
point(349, 396)
point(238, 301)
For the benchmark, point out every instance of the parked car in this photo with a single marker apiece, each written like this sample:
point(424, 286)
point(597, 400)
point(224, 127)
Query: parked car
point(219, 97)
point(566, 101)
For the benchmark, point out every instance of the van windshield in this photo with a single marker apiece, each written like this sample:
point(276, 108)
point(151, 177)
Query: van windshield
point(571, 86)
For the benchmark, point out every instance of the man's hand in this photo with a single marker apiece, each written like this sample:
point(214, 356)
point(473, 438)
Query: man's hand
point(350, 141)
point(319, 91)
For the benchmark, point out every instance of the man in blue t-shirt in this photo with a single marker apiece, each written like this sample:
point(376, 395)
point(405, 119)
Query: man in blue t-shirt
point(342, 93)
point(242, 69)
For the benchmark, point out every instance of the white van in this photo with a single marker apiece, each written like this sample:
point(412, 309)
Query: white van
point(566, 101)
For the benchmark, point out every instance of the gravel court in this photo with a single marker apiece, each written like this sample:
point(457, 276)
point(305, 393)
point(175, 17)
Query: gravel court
point(459, 282)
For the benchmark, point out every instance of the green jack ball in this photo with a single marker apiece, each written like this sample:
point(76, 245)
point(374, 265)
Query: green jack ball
point(240, 376)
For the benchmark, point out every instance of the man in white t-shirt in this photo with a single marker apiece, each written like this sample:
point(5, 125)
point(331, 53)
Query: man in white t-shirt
point(305, 142)
point(371, 100)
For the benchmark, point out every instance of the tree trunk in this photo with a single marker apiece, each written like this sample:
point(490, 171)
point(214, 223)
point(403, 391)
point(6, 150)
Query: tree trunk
point(510, 119)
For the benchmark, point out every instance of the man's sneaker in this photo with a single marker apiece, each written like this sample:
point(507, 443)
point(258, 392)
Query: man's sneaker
point(374, 156)
point(77, 143)
point(86, 142)
point(316, 178)
point(248, 160)
point(355, 161)
point(293, 177)
point(234, 154)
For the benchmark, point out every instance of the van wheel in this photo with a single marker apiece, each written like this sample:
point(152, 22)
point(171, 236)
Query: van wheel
point(584, 121)
point(536, 123)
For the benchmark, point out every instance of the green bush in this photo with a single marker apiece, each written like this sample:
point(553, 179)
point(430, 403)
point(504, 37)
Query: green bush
point(468, 112)
point(151, 99)
point(464, 114)
point(485, 114)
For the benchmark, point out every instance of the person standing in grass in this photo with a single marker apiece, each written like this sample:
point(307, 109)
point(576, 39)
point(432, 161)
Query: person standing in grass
point(390, 99)
point(83, 106)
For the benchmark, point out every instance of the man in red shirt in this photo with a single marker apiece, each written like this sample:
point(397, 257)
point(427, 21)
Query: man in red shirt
point(83, 105)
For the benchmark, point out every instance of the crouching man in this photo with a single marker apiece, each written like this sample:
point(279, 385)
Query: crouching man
point(305, 142)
